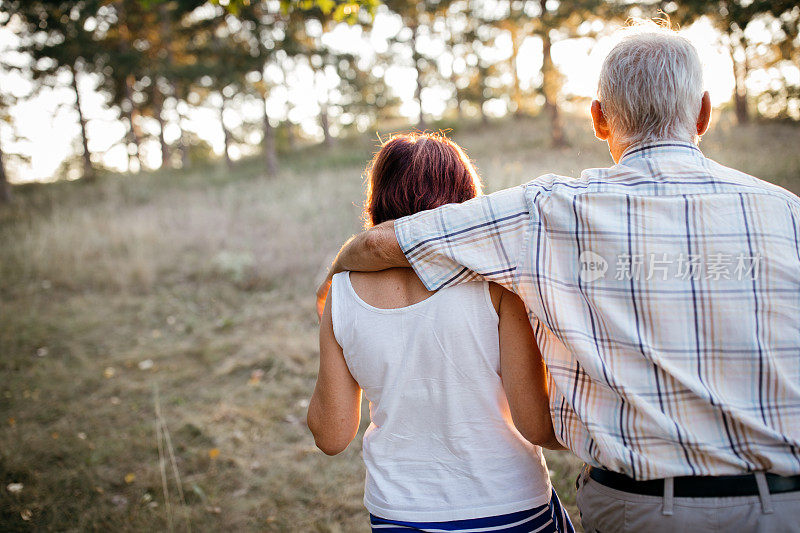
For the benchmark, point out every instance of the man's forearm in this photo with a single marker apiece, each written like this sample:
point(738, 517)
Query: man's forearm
point(371, 250)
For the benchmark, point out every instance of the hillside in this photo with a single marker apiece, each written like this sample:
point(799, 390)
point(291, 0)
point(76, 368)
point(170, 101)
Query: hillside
point(163, 324)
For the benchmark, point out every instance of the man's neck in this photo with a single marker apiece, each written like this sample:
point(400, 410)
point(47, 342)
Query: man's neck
point(618, 148)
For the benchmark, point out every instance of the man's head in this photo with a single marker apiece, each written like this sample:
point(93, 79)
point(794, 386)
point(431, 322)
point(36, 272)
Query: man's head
point(651, 88)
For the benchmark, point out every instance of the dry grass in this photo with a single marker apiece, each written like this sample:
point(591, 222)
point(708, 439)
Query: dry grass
point(199, 284)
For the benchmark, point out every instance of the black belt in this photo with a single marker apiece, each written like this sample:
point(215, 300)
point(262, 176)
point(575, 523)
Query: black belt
point(696, 486)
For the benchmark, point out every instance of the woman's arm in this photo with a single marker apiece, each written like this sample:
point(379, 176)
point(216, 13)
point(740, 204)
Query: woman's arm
point(334, 411)
point(523, 372)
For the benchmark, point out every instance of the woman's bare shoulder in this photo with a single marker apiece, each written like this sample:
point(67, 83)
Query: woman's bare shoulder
point(395, 287)
point(370, 279)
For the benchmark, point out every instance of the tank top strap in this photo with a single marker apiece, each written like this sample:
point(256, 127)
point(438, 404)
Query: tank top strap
point(487, 296)
point(476, 292)
point(342, 303)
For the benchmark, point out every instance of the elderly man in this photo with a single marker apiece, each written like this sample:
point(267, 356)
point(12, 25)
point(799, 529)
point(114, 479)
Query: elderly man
point(664, 292)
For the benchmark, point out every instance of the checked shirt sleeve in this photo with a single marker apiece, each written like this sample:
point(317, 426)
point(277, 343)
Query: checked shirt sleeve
point(455, 243)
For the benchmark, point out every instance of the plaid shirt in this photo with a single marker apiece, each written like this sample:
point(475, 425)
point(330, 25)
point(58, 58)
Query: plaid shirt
point(665, 297)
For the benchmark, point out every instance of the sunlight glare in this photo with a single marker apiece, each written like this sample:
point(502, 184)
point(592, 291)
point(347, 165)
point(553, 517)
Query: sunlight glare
point(48, 123)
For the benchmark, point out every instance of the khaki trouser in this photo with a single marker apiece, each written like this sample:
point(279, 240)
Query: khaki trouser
point(606, 510)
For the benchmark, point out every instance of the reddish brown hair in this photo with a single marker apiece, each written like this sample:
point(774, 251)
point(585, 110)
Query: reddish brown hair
point(414, 172)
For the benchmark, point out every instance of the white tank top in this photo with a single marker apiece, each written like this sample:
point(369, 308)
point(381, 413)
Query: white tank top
point(441, 444)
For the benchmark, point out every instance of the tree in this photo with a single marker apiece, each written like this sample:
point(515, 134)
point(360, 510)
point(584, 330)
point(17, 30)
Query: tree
point(455, 23)
point(549, 21)
point(222, 58)
point(170, 57)
point(418, 17)
point(8, 99)
point(288, 127)
point(563, 18)
point(266, 29)
point(519, 26)
point(304, 39)
point(141, 56)
point(5, 187)
point(480, 36)
point(551, 79)
point(60, 37)
point(783, 101)
point(731, 18)
point(122, 64)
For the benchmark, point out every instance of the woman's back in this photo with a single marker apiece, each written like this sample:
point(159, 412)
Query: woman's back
point(389, 289)
point(441, 451)
point(441, 445)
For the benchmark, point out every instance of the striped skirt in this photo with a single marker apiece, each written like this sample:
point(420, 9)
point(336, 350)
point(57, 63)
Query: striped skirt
point(551, 518)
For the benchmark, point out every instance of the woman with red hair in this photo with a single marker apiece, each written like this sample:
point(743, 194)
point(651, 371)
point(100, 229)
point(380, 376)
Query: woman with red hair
point(446, 448)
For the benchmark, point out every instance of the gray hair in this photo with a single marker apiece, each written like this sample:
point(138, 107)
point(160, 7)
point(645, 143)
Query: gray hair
point(651, 85)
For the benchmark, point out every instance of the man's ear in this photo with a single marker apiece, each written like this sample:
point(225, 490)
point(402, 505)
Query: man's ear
point(599, 122)
point(704, 117)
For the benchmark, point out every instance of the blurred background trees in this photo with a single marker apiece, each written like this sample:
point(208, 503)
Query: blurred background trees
point(760, 35)
point(198, 282)
point(164, 68)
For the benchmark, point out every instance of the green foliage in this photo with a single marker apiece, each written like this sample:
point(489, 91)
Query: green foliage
point(155, 60)
point(339, 10)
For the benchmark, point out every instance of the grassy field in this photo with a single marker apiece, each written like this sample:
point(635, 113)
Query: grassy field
point(157, 332)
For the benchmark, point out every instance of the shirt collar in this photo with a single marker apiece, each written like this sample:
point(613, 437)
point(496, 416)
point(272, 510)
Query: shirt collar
point(665, 148)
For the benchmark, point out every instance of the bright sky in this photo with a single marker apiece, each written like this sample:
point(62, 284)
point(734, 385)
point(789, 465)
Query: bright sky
point(48, 121)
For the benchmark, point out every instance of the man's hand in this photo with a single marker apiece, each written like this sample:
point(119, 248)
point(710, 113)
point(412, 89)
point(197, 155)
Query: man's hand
point(369, 251)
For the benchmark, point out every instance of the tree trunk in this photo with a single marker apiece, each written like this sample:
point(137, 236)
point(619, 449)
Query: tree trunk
point(451, 46)
point(182, 148)
point(88, 169)
point(550, 88)
point(158, 108)
point(290, 137)
point(132, 114)
point(5, 188)
point(134, 133)
point(516, 91)
point(165, 31)
point(739, 81)
point(270, 155)
point(324, 121)
point(225, 133)
point(482, 72)
point(454, 83)
point(459, 112)
point(130, 139)
point(417, 58)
